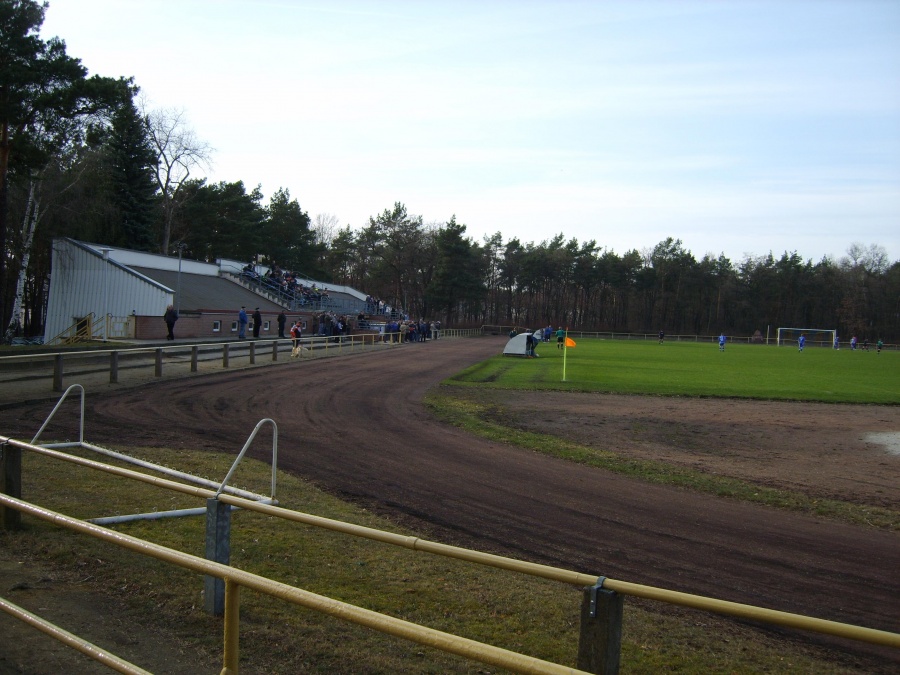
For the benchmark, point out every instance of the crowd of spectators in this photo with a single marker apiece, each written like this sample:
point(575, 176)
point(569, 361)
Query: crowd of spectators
point(377, 306)
point(288, 287)
point(286, 284)
point(330, 324)
point(410, 331)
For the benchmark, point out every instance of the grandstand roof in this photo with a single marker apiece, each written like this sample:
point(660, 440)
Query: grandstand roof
point(204, 292)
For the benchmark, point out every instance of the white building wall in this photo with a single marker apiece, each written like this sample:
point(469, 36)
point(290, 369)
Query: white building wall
point(82, 282)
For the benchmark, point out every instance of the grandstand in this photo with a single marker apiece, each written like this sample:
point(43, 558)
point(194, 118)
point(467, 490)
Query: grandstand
point(123, 294)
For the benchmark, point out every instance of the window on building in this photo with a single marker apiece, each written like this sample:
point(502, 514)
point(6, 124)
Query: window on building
point(217, 326)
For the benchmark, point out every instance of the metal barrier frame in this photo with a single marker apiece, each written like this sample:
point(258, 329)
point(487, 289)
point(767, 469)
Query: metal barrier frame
point(220, 487)
point(236, 578)
point(739, 610)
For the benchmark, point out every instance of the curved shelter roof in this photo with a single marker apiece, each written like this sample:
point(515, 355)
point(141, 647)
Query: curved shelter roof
point(204, 292)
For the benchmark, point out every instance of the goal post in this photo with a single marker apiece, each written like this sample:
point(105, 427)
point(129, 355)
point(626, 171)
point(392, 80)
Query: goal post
point(815, 337)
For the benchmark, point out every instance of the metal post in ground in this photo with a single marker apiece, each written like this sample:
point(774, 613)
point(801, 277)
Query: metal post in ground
point(600, 640)
point(225, 356)
point(194, 351)
point(113, 367)
point(274, 350)
point(252, 353)
point(232, 626)
point(218, 549)
point(159, 361)
point(10, 484)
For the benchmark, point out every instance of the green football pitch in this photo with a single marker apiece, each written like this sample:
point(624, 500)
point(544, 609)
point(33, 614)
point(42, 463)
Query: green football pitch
point(699, 369)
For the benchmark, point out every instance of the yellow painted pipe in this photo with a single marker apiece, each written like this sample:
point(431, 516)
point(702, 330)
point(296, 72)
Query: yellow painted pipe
point(739, 610)
point(232, 626)
point(79, 644)
point(453, 644)
point(872, 635)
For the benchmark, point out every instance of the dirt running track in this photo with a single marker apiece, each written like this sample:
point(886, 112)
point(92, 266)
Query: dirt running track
point(356, 427)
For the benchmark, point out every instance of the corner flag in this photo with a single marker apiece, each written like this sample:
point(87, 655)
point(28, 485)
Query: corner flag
point(569, 342)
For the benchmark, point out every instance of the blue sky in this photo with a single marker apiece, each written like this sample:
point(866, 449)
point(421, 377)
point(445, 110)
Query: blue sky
point(737, 127)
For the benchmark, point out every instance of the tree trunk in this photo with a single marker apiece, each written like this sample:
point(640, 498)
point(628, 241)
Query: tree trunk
point(29, 225)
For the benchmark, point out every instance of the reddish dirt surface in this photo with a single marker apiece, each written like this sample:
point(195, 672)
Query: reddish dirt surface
point(356, 426)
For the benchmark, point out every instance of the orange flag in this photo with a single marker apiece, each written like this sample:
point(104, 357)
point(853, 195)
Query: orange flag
point(570, 342)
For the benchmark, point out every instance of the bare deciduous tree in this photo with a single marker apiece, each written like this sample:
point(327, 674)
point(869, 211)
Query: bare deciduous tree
point(178, 152)
point(325, 228)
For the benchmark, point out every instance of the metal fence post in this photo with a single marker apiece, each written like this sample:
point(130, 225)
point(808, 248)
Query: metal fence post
point(252, 353)
point(10, 484)
point(113, 367)
point(274, 350)
point(194, 351)
point(159, 362)
point(232, 626)
point(225, 356)
point(57, 373)
point(600, 639)
point(218, 549)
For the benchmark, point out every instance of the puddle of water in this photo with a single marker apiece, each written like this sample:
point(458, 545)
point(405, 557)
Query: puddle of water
point(889, 439)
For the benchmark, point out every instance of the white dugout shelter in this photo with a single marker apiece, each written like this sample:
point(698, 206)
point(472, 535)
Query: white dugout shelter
point(516, 345)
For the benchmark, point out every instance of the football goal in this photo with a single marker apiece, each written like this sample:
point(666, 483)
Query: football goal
point(815, 337)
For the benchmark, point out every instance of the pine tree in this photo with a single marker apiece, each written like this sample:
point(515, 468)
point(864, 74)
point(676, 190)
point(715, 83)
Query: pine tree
point(133, 177)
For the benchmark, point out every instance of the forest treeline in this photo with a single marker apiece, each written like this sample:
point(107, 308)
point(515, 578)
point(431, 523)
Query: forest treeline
point(84, 157)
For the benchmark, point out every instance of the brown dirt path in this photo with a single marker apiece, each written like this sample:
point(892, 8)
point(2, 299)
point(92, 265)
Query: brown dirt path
point(356, 426)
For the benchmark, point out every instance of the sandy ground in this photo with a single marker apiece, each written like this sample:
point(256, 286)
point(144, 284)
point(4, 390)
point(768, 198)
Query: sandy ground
point(356, 427)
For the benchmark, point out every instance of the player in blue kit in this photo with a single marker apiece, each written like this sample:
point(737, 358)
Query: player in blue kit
point(722, 342)
point(801, 340)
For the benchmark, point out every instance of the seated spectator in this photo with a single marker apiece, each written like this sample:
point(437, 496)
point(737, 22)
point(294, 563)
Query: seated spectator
point(250, 272)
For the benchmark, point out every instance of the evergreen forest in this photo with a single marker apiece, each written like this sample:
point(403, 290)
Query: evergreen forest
point(83, 157)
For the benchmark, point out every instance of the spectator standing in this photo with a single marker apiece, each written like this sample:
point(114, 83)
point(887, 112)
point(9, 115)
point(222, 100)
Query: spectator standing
point(257, 322)
point(296, 334)
point(282, 320)
point(170, 317)
point(242, 323)
point(529, 344)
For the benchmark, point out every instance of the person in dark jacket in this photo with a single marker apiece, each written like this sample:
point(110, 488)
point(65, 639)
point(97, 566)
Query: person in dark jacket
point(170, 317)
point(282, 320)
point(257, 322)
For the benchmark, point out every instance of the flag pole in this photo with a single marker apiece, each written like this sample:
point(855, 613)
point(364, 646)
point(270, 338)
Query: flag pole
point(565, 349)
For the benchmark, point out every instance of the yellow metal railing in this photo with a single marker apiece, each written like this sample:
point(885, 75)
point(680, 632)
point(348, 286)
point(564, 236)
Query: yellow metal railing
point(80, 331)
point(776, 617)
point(78, 644)
point(235, 578)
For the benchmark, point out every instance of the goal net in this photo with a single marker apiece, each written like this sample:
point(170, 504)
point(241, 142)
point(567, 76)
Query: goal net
point(815, 337)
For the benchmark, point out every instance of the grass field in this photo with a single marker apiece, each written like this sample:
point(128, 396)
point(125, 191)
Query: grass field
point(699, 369)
